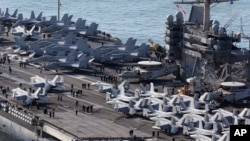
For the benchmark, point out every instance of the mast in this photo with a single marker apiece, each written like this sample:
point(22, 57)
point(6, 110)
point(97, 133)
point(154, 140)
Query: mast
point(207, 3)
point(58, 10)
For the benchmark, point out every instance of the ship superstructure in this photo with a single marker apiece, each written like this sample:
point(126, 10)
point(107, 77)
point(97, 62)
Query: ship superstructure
point(201, 47)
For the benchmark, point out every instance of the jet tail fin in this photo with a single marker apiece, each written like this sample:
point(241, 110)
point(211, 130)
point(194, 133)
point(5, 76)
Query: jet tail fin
point(137, 94)
point(37, 92)
point(39, 17)
point(32, 15)
point(122, 85)
point(30, 32)
point(166, 91)
point(71, 56)
point(207, 109)
point(130, 44)
point(64, 17)
point(151, 109)
point(69, 38)
point(80, 23)
point(53, 18)
point(108, 96)
point(132, 111)
point(92, 29)
point(142, 87)
point(20, 16)
point(54, 80)
point(152, 88)
point(14, 13)
point(122, 91)
point(7, 12)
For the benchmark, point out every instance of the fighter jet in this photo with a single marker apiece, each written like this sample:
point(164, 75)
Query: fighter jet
point(165, 124)
point(104, 54)
point(152, 93)
point(84, 61)
point(90, 31)
point(53, 26)
point(28, 22)
point(192, 108)
point(46, 84)
point(121, 96)
point(103, 87)
point(29, 97)
point(124, 107)
point(8, 19)
point(25, 34)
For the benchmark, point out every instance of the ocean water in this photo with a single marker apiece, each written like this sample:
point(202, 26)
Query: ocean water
point(140, 19)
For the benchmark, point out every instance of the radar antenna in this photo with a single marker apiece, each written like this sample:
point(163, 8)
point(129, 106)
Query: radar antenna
point(242, 31)
point(230, 21)
point(207, 3)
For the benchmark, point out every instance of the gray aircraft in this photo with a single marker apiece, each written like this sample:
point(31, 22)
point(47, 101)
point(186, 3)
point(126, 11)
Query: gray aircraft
point(46, 84)
point(84, 61)
point(8, 19)
point(29, 97)
point(21, 31)
point(90, 31)
point(52, 26)
point(27, 22)
point(103, 54)
point(128, 55)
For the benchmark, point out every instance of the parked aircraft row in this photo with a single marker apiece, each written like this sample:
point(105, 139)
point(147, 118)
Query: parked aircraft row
point(42, 85)
point(68, 46)
point(197, 118)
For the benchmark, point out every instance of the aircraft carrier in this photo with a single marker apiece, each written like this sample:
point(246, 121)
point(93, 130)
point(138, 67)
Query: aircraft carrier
point(103, 123)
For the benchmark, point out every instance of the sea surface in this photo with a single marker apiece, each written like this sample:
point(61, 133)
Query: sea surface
point(140, 19)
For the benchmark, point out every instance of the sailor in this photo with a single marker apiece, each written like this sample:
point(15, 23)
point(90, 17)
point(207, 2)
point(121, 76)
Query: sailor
point(10, 70)
point(87, 109)
point(8, 60)
point(50, 114)
point(131, 132)
point(53, 114)
point(83, 108)
point(173, 91)
point(37, 106)
point(45, 111)
point(91, 108)
point(76, 112)
point(76, 103)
